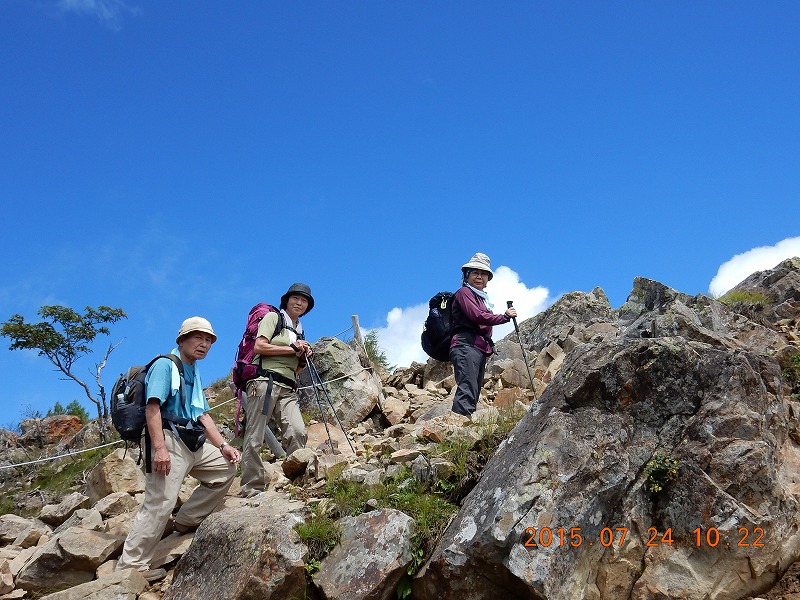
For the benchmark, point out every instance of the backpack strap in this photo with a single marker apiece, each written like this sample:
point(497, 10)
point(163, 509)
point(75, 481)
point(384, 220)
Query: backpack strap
point(460, 324)
point(468, 328)
point(262, 372)
point(148, 444)
point(281, 325)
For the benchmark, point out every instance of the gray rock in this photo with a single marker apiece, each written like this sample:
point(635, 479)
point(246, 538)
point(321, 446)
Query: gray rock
point(298, 461)
point(11, 526)
point(578, 462)
point(372, 556)
point(117, 472)
point(116, 503)
point(118, 585)
point(353, 389)
point(55, 514)
point(86, 518)
point(67, 559)
point(244, 553)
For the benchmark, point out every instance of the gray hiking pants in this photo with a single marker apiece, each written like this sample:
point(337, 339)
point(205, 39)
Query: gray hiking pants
point(468, 366)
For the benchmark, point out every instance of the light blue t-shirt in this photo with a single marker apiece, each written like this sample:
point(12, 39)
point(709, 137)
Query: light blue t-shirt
point(158, 384)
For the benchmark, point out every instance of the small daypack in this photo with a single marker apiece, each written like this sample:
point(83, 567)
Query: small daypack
point(129, 400)
point(438, 329)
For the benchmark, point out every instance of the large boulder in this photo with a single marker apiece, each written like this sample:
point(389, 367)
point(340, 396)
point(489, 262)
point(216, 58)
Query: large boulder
point(11, 526)
point(48, 430)
point(576, 311)
point(655, 310)
point(351, 385)
point(775, 298)
point(117, 585)
point(577, 466)
point(244, 553)
point(117, 472)
point(67, 559)
point(55, 514)
point(372, 556)
point(547, 338)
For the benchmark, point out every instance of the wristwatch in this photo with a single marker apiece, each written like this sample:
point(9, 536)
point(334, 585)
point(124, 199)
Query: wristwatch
point(222, 445)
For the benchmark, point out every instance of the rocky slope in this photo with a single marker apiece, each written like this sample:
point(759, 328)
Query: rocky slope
point(687, 394)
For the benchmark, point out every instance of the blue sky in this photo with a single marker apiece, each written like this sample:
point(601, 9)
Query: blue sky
point(177, 158)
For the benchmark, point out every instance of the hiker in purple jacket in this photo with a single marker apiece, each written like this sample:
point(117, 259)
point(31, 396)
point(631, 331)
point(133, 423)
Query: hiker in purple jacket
point(472, 326)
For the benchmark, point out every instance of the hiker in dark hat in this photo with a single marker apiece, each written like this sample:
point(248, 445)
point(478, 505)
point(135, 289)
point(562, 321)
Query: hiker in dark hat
point(472, 332)
point(281, 355)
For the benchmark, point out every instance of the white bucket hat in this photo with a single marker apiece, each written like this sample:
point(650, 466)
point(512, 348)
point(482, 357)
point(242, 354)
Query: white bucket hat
point(478, 261)
point(195, 324)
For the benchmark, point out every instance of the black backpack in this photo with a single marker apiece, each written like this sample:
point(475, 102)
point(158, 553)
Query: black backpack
point(129, 401)
point(438, 329)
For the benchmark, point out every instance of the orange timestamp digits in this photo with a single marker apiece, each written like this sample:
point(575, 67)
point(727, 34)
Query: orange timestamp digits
point(546, 537)
point(711, 537)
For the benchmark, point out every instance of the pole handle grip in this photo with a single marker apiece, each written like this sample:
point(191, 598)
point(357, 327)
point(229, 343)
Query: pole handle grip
point(509, 303)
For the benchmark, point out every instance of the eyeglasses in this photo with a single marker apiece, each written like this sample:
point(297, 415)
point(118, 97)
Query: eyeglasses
point(483, 274)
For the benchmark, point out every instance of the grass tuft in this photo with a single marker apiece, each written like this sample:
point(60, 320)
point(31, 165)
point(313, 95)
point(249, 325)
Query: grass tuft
point(754, 299)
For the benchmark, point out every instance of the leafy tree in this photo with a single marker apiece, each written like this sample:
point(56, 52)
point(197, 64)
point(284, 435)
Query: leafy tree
point(375, 353)
point(64, 336)
point(73, 408)
point(56, 410)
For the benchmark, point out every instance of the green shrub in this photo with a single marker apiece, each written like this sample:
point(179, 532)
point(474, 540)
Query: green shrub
point(375, 353)
point(661, 470)
point(7, 503)
point(470, 456)
point(430, 507)
point(431, 512)
point(744, 297)
point(320, 534)
point(790, 371)
point(73, 408)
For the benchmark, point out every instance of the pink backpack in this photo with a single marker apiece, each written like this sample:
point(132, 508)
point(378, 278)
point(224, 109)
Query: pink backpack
point(243, 368)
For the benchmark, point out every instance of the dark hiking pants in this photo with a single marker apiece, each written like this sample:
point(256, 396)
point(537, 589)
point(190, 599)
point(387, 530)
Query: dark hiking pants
point(468, 365)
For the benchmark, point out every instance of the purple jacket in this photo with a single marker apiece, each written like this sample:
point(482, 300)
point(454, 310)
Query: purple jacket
point(472, 313)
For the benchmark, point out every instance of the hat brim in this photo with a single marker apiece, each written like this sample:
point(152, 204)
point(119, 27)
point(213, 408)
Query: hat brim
point(203, 329)
point(285, 299)
point(480, 267)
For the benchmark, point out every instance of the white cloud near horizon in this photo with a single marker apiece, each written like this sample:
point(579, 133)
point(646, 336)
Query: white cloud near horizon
point(738, 268)
point(400, 337)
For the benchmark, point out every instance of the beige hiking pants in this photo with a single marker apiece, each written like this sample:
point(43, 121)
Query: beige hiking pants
point(208, 466)
point(284, 409)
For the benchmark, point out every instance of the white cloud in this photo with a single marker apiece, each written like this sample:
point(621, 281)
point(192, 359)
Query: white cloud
point(400, 338)
point(742, 265)
point(108, 12)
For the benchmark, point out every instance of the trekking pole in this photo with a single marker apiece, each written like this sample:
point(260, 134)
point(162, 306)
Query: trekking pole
point(273, 443)
point(319, 404)
point(522, 347)
point(312, 369)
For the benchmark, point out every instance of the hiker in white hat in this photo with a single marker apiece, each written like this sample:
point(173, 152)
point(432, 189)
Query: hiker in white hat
point(472, 332)
point(182, 440)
